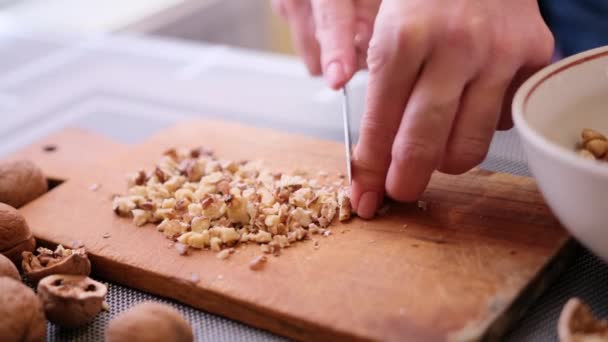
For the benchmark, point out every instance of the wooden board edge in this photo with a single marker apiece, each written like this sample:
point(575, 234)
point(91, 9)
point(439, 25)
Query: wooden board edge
point(495, 328)
point(56, 160)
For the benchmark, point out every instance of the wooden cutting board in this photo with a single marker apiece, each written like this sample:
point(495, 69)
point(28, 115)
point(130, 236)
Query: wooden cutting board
point(464, 269)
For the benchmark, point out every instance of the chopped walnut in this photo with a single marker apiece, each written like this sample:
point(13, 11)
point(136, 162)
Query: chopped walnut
point(199, 202)
point(224, 253)
point(345, 209)
point(141, 217)
point(257, 263)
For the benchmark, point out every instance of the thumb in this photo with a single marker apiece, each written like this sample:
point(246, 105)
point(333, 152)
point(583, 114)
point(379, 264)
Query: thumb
point(335, 31)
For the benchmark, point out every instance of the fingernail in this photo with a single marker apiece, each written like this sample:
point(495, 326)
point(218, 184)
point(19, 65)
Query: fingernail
point(368, 203)
point(334, 74)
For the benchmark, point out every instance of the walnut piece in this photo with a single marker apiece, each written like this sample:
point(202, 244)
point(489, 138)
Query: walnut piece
point(203, 202)
point(71, 300)
point(577, 324)
point(257, 263)
point(60, 261)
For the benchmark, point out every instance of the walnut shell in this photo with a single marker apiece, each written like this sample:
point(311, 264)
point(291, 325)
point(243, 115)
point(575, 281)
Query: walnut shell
point(15, 234)
point(8, 269)
point(21, 312)
point(577, 323)
point(48, 262)
point(70, 300)
point(21, 181)
point(149, 321)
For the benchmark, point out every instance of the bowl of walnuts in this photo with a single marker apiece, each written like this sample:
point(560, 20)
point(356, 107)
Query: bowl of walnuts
point(561, 115)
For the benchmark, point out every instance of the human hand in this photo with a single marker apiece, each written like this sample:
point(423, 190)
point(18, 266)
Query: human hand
point(331, 36)
point(441, 79)
point(441, 73)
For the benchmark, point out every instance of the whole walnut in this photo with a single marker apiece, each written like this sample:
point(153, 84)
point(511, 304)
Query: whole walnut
point(21, 315)
point(151, 322)
point(21, 181)
point(8, 269)
point(15, 234)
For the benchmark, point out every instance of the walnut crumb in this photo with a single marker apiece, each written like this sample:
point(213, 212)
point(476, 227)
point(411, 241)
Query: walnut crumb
point(77, 244)
point(181, 248)
point(257, 263)
point(105, 306)
point(195, 278)
point(202, 202)
point(383, 210)
point(422, 205)
point(225, 253)
point(106, 235)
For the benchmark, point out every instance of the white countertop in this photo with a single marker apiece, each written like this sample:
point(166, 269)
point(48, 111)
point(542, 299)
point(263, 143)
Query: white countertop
point(84, 16)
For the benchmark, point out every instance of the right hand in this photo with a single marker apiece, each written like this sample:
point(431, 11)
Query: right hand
point(331, 36)
point(442, 76)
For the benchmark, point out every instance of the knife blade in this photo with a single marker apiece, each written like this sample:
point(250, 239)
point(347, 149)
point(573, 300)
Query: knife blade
point(347, 138)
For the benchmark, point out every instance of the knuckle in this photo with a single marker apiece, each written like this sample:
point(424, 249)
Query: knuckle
point(374, 143)
point(413, 154)
point(464, 154)
point(504, 51)
point(465, 33)
point(546, 46)
point(435, 110)
point(391, 40)
point(327, 16)
point(377, 57)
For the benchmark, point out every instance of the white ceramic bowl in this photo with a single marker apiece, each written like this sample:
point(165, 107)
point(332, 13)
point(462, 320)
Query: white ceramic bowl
point(549, 110)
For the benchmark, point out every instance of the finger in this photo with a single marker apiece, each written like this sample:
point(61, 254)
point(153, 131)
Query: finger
point(365, 15)
point(425, 126)
point(394, 59)
point(335, 31)
point(298, 14)
point(537, 59)
point(475, 122)
point(278, 8)
point(505, 121)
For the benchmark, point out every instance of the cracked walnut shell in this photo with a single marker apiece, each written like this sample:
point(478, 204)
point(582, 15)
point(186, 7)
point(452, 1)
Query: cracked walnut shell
point(22, 318)
point(21, 181)
point(151, 322)
point(60, 261)
point(71, 300)
point(577, 324)
point(15, 234)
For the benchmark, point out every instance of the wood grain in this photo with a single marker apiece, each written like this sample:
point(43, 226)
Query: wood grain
point(450, 272)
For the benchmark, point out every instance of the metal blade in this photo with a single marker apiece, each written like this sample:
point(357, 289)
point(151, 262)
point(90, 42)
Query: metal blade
point(347, 139)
